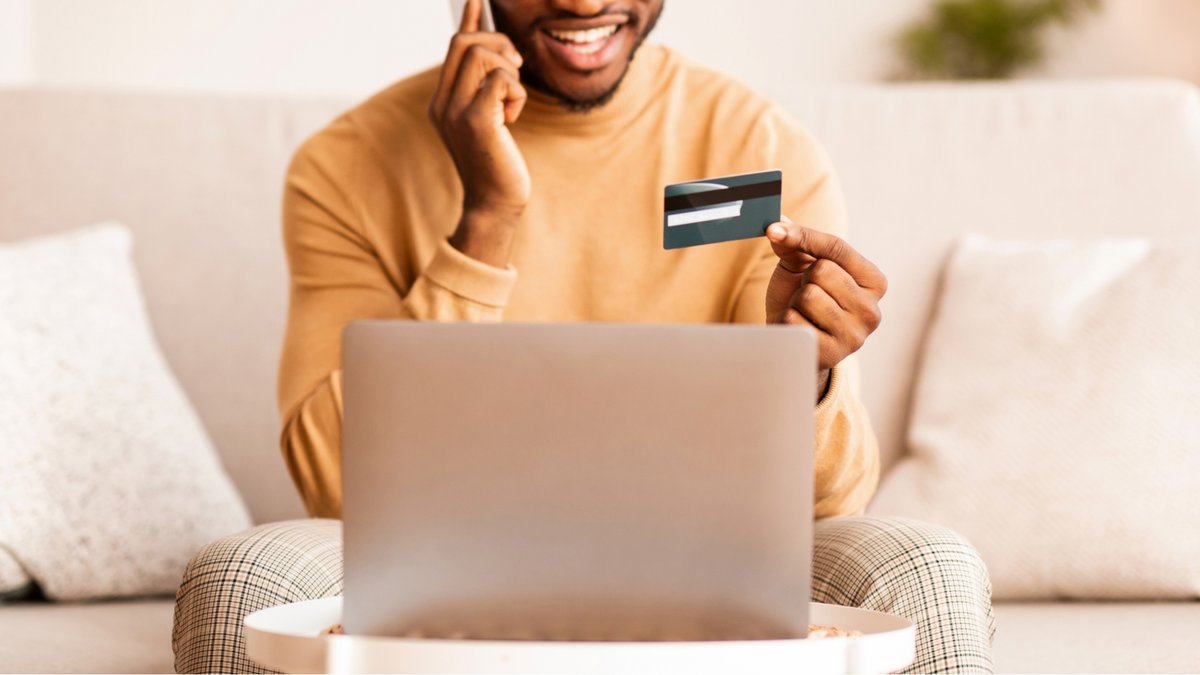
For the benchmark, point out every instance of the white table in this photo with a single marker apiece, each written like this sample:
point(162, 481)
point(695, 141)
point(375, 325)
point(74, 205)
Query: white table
point(288, 638)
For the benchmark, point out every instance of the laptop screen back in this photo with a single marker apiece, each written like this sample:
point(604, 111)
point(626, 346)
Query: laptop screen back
point(577, 481)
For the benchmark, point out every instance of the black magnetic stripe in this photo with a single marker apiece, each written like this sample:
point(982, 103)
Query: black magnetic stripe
point(771, 188)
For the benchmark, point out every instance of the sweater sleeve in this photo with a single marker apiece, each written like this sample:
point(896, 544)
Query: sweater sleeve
point(846, 452)
point(336, 277)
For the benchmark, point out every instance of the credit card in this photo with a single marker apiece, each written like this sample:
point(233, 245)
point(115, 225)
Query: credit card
point(721, 209)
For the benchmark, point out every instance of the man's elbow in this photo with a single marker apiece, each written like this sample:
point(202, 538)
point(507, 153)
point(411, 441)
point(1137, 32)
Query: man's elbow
point(313, 466)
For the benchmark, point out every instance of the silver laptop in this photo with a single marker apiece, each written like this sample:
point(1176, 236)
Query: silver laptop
point(577, 481)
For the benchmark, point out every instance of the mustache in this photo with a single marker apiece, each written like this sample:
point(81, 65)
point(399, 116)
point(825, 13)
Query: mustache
point(630, 17)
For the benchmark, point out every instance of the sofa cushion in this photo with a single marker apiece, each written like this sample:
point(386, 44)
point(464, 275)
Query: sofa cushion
point(109, 637)
point(109, 483)
point(1094, 637)
point(1112, 158)
point(1055, 423)
point(14, 580)
point(135, 637)
point(921, 162)
point(199, 180)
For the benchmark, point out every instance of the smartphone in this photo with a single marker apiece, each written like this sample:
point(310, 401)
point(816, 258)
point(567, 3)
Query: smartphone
point(486, 23)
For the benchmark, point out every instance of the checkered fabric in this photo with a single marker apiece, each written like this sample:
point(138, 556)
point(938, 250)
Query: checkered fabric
point(924, 572)
point(262, 567)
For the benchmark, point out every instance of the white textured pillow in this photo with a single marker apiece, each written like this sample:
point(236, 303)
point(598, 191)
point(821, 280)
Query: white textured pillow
point(1056, 422)
point(108, 482)
point(13, 579)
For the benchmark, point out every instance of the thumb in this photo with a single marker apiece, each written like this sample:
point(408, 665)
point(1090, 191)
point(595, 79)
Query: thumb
point(791, 259)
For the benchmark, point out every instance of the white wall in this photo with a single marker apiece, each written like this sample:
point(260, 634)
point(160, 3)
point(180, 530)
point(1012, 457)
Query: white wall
point(351, 48)
point(1133, 37)
point(16, 64)
point(295, 46)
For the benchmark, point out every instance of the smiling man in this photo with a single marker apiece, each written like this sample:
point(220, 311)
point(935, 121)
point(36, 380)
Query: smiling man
point(580, 59)
point(521, 180)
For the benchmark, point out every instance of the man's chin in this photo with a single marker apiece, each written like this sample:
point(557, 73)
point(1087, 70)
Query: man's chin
point(589, 101)
point(580, 97)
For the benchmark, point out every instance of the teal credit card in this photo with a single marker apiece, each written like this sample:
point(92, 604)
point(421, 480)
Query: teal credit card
point(721, 209)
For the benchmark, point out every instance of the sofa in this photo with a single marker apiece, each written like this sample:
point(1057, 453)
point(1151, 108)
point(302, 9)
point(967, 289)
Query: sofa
point(198, 179)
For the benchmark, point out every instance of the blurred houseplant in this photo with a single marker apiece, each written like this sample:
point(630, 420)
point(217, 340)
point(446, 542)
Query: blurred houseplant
point(982, 39)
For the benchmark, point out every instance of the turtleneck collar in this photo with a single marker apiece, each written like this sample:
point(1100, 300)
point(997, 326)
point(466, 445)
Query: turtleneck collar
point(647, 74)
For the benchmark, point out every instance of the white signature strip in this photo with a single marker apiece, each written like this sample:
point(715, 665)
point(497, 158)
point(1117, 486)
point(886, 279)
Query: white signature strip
point(704, 215)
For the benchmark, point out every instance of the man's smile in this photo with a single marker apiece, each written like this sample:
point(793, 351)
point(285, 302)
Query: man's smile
point(585, 45)
point(577, 51)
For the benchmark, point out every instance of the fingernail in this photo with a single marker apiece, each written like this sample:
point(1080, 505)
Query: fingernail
point(776, 232)
point(516, 58)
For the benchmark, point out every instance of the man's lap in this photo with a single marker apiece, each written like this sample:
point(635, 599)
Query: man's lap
point(886, 564)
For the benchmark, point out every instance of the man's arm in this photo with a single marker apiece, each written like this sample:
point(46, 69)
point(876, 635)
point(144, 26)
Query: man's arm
point(846, 458)
point(337, 277)
point(846, 451)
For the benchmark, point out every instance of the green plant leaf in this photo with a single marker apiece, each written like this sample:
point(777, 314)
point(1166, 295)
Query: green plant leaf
point(982, 39)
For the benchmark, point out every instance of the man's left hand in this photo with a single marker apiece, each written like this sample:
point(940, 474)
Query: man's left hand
point(823, 283)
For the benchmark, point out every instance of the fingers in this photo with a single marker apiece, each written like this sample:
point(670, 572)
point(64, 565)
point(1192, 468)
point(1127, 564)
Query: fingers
point(812, 307)
point(796, 246)
point(823, 283)
point(499, 101)
point(471, 16)
point(461, 45)
point(823, 312)
point(474, 75)
point(858, 302)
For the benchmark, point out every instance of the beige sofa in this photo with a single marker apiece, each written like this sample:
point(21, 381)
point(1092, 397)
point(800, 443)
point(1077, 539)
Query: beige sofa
point(198, 180)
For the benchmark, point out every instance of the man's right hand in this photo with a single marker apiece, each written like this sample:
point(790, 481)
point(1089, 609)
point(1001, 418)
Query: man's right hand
point(478, 94)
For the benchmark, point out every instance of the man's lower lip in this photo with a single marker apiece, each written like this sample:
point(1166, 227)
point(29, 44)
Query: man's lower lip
point(573, 60)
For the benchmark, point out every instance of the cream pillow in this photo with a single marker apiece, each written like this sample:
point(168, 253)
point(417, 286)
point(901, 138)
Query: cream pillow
point(1056, 419)
point(109, 483)
point(13, 579)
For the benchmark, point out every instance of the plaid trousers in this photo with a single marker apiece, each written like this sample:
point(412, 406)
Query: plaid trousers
point(923, 572)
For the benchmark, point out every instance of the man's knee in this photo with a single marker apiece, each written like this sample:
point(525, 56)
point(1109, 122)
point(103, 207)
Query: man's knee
point(296, 559)
point(906, 544)
point(240, 574)
point(890, 556)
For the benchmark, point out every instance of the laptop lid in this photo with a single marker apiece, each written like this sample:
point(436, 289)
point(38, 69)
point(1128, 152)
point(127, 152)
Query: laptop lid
point(577, 481)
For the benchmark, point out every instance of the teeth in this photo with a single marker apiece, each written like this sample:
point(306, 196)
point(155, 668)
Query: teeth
point(585, 37)
point(588, 48)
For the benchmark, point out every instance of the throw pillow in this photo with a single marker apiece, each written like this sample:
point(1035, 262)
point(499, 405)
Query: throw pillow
point(14, 582)
point(1055, 419)
point(109, 482)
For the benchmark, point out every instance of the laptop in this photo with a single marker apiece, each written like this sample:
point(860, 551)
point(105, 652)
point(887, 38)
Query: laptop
point(585, 482)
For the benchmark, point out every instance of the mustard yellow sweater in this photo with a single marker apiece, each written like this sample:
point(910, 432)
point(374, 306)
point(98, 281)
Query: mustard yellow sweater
point(371, 200)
